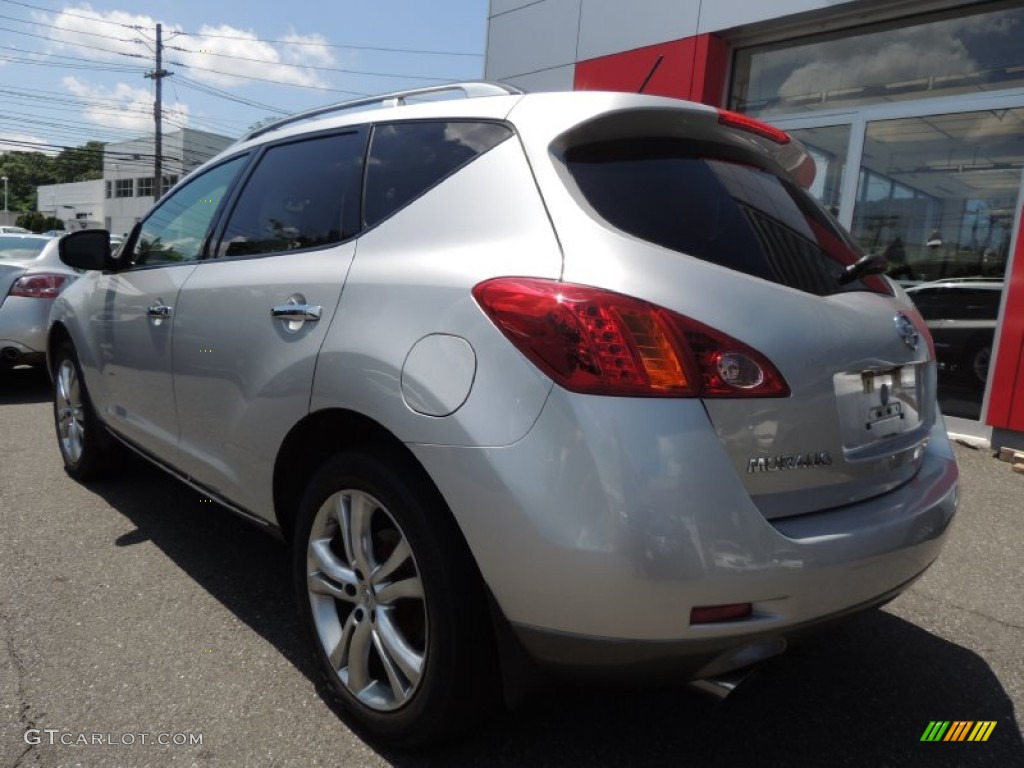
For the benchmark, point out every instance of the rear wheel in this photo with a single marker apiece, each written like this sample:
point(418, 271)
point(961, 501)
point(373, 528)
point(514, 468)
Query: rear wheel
point(393, 603)
point(978, 361)
point(85, 446)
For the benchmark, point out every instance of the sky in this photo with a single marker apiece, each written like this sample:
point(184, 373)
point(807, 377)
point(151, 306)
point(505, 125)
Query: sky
point(75, 72)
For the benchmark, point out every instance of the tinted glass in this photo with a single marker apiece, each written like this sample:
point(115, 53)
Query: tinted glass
point(957, 303)
point(407, 159)
point(174, 232)
point(734, 215)
point(296, 197)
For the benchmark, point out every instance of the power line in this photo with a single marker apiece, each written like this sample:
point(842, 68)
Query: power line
point(265, 79)
point(76, 45)
point(93, 19)
point(65, 29)
point(334, 45)
point(307, 66)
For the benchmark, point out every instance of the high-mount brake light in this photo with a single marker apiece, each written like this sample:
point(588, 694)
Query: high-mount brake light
point(749, 124)
point(598, 342)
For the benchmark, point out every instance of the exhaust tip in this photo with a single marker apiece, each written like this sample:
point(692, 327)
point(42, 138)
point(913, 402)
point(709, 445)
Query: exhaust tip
point(720, 686)
point(10, 353)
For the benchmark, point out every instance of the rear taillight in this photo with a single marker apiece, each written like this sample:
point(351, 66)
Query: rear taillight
point(598, 342)
point(42, 286)
point(750, 125)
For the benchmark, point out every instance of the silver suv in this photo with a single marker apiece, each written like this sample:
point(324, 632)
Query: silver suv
point(582, 382)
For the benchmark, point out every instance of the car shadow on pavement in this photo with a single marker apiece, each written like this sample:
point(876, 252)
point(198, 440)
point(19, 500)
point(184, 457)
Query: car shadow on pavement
point(19, 386)
point(860, 695)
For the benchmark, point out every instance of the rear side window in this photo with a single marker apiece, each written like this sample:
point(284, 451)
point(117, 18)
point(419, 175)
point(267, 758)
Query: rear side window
point(407, 159)
point(956, 303)
point(725, 212)
point(300, 195)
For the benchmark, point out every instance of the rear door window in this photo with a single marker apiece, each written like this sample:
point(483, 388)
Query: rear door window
point(407, 159)
point(301, 195)
point(730, 213)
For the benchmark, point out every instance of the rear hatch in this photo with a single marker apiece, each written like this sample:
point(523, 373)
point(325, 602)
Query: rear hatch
point(707, 219)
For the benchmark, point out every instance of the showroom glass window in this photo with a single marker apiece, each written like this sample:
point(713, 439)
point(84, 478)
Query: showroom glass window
point(921, 59)
point(301, 195)
point(174, 232)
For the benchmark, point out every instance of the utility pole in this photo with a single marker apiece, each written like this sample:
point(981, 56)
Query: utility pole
point(158, 75)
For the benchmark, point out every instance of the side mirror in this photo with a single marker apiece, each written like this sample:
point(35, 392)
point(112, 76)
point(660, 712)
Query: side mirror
point(87, 249)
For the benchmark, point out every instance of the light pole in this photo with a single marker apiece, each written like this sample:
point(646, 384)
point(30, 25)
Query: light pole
point(5, 194)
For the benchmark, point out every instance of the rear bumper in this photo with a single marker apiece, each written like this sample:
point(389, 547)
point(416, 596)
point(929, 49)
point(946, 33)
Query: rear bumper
point(601, 530)
point(23, 324)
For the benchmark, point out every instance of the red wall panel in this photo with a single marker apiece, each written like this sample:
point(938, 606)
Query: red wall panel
point(692, 68)
point(1006, 402)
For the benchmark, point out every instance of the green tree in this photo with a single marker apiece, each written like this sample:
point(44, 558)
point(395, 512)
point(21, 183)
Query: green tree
point(26, 171)
point(39, 222)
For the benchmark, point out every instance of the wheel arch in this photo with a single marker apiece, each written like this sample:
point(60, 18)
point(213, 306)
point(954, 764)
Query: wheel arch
point(323, 434)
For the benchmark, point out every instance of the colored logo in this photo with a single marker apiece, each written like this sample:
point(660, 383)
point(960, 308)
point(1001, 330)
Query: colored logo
point(958, 730)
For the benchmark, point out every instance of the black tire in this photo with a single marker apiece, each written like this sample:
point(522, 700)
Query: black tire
point(978, 359)
point(442, 635)
point(87, 449)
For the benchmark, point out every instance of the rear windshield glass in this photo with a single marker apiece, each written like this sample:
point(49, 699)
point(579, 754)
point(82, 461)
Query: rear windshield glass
point(731, 214)
point(21, 248)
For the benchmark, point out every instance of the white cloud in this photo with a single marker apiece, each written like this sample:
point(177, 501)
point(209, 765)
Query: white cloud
point(25, 142)
point(216, 52)
point(124, 106)
point(233, 51)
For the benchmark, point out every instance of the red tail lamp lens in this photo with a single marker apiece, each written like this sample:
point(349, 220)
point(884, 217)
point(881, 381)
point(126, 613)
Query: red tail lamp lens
point(39, 286)
point(598, 342)
point(750, 125)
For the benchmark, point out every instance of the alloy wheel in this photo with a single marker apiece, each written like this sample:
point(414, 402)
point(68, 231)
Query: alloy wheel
point(367, 600)
point(70, 412)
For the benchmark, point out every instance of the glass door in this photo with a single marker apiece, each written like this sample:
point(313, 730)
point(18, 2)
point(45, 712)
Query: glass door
point(937, 195)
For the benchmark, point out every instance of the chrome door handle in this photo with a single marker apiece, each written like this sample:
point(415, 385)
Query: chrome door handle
point(159, 310)
point(297, 312)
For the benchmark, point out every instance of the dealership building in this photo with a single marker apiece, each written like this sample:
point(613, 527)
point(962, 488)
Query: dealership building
point(912, 110)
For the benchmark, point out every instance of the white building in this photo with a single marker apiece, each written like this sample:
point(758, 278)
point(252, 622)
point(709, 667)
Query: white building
point(128, 172)
point(79, 205)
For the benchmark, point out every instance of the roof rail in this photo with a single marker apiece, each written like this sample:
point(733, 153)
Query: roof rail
point(471, 90)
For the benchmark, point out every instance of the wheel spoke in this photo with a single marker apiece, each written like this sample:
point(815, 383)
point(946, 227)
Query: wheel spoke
point(358, 657)
point(319, 584)
point(395, 560)
point(358, 513)
point(399, 687)
point(339, 655)
point(394, 646)
point(329, 565)
point(405, 588)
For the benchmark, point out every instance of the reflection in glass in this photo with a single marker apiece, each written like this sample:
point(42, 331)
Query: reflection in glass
point(937, 195)
point(828, 147)
point(940, 57)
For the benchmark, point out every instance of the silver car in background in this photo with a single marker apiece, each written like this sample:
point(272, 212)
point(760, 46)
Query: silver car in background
point(31, 277)
point(585, 383)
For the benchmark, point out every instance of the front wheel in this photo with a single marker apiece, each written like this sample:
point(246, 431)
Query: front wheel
point(393, 602)
point(85, 446)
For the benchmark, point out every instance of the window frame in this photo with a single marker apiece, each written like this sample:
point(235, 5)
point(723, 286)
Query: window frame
point(128, 247)
point(351, 212)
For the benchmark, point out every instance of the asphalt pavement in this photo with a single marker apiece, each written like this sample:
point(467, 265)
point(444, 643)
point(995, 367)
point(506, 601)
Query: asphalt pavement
point(143, 626)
